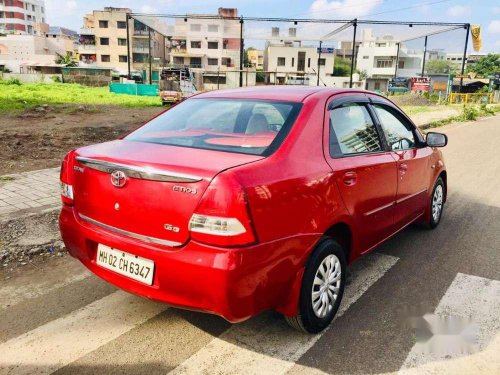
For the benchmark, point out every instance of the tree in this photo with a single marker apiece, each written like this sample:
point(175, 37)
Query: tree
point(342, 67)
point(67, 60)
point(439, 67)
point(486, 65)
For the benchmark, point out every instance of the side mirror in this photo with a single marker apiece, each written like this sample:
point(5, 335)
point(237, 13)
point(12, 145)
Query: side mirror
point(436, 139)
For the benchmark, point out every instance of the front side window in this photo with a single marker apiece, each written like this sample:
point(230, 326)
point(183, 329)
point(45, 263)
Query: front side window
point(352, 131)
point(399, 135)
point(244, 126)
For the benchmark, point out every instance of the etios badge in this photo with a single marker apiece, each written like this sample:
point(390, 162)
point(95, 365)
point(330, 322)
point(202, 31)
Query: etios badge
point(118, 178)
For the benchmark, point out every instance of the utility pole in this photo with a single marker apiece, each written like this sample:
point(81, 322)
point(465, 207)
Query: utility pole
point(425, 54)
point(319, 59)
point(150, 58)
point(397, 62)
point(355, 25)
point(241, 51)
point(128, 18)
point(464, 57)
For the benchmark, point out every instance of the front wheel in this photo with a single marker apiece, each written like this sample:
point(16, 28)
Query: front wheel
point(322, 288)
point(437, 203)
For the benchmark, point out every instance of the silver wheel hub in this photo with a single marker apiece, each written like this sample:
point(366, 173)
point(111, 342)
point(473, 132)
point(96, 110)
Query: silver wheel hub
point(437, 203)
point(326, 286)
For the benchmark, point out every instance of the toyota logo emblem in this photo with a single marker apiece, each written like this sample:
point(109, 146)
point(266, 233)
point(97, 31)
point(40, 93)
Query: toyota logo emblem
point(118, 178)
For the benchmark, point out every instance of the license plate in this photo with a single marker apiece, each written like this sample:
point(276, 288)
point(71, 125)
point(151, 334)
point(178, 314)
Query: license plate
point(133, 266)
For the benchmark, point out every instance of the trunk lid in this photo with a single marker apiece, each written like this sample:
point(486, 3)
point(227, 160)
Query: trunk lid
point(162, 186)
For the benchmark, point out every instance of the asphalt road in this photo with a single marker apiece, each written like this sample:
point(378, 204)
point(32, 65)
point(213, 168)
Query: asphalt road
point(62, 319)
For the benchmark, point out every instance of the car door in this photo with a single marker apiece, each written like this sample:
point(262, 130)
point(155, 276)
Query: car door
point(413, 162)
point(365, 172)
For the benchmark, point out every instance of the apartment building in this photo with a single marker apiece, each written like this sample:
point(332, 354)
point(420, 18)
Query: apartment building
point(103, 41)
point(20, 17)
point(293, 63)
point(256, 58)
point(24, 53)
point(207, 44)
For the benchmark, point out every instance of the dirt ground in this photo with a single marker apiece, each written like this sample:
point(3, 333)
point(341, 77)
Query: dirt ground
point(40, 138)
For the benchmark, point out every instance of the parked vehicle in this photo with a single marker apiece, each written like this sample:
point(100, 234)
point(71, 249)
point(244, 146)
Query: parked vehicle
point(238, 201)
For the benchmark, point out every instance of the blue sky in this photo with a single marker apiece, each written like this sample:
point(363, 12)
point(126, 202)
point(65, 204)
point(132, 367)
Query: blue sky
point(69, 14)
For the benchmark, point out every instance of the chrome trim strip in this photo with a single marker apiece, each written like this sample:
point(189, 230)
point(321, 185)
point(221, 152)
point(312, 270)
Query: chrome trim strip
point(131, 234)
point(411, 196)
point(137, 172)
point(378, 209)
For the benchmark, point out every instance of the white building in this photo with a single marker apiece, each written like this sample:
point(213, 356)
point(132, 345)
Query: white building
point(20, 16)
point(378, 56)
point(208, 44)
point(292, 63)
point(24, 53)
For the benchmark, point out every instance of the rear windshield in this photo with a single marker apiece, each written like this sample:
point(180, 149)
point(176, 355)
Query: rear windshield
point(246, 126)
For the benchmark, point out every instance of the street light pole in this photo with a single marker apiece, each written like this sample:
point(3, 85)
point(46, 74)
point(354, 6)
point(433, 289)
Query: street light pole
point(241, 51)
point(128, 45)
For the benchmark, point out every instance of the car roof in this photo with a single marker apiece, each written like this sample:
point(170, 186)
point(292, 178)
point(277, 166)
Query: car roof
point(285, 93)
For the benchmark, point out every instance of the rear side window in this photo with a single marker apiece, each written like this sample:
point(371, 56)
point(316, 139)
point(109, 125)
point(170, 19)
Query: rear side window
point(246, 126)
point(352, 131)
point(398, 134)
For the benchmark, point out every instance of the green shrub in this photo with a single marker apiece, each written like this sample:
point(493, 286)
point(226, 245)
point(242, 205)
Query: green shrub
point(469, 113)
point(56, 79)
point(11, 81)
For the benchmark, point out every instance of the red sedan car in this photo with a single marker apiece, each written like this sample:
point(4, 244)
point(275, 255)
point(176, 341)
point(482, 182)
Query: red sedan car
point(234, 202)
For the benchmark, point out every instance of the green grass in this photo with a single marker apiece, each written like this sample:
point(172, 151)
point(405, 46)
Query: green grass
point(414, 109)
point(15, 96)
point(470, 112)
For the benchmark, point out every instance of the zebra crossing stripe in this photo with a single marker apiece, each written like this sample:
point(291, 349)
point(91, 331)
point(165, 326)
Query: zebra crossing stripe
point(64, 340)
point(266, 344)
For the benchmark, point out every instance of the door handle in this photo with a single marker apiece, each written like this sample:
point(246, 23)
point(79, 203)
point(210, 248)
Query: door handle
point(350, 178)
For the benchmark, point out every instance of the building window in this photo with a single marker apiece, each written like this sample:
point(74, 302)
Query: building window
point(213, 61)
point(195, 62)
point(365, 57)
point(377, 86)
point(281, 61)
point(33, 8)
point(195, 27)
point(226, 61)
point(293, 62)
point(214, 80)
point(139, 57)
point(322, 62)
point(384, 64)
point(380, 44)
point(121, 24)
point(105, 58)
point(401, 64)
point(178, 60)
point(104, 41)
point(213, 28)
point(103, 24)
point(122, 41)
point(213, 45)
point(122, 58)
point(309, 62)
point(195, 44)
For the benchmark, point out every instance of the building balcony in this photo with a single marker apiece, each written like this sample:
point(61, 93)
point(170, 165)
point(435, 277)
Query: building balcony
point(140, 49)
point(87, 31)
point(141, 32)
point(86, 48)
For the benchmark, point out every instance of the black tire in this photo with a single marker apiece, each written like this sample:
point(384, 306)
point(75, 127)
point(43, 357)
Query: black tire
point(306, 319)
point(435, 220)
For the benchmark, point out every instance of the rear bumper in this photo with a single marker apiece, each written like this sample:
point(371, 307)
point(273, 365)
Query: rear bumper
point(233, 283)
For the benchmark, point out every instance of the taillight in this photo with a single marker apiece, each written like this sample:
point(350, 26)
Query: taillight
point(222, 217)
point(66, 183)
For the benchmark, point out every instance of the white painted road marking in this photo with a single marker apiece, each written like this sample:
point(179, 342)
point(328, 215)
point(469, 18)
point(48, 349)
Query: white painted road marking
point(467, 296)
point(264, 345)
point(64, 340)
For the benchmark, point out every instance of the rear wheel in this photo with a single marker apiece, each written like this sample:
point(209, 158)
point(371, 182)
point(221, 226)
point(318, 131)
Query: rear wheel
point(322, 288)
